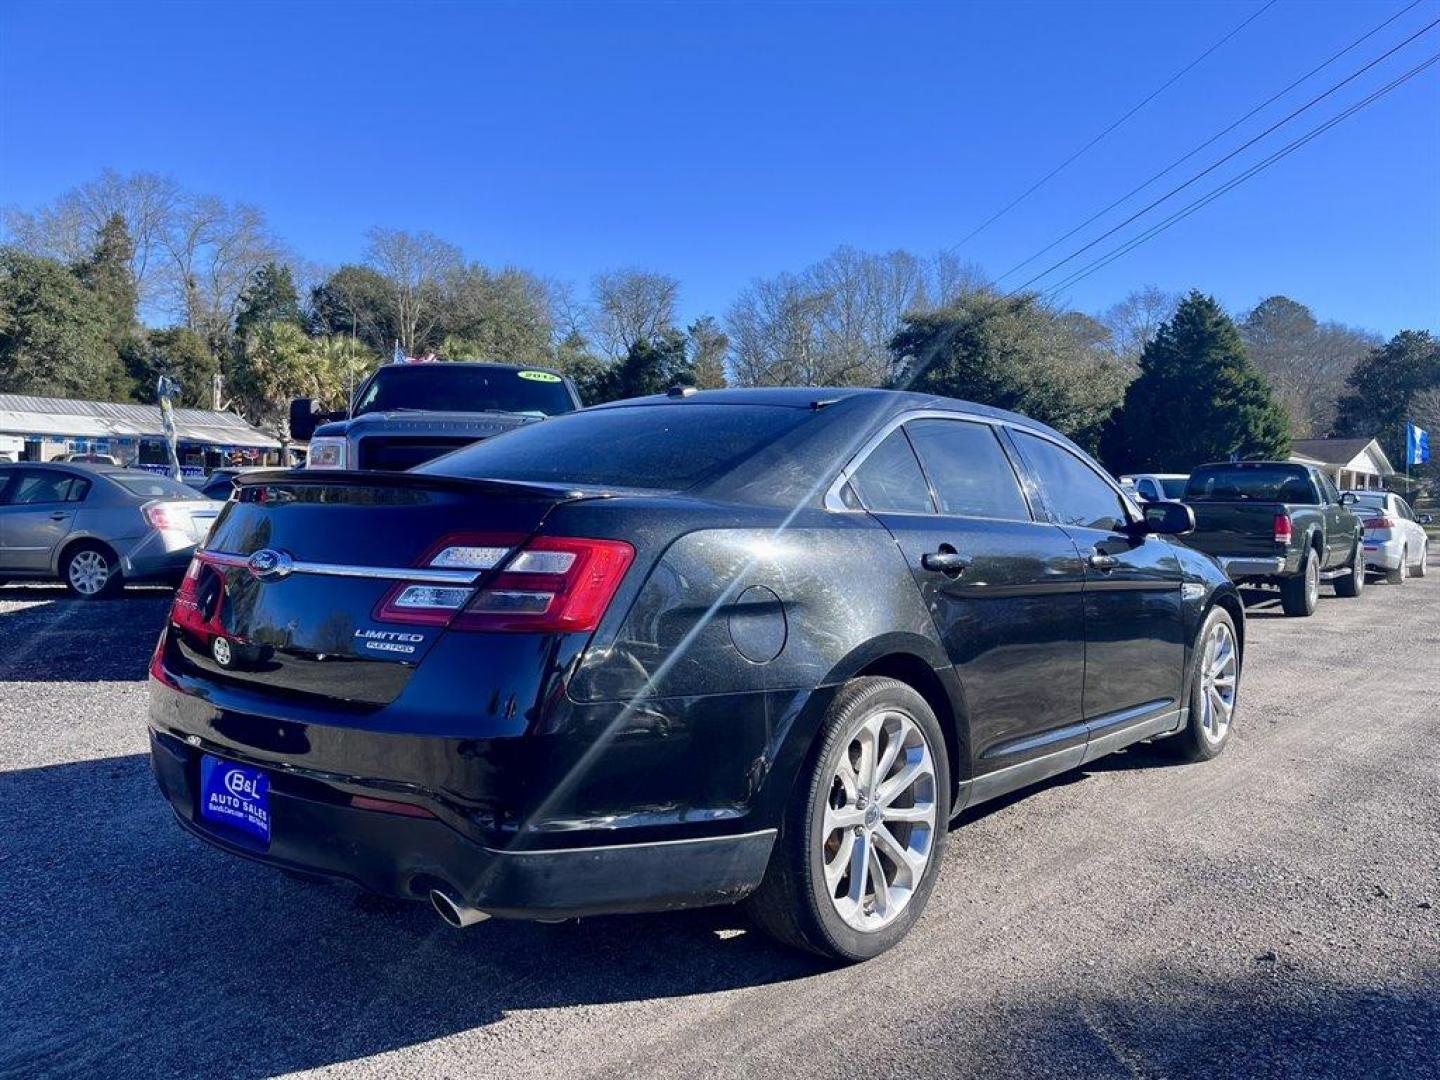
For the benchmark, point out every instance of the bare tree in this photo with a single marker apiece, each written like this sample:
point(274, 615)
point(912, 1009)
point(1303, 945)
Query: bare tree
point(68, 227)
point(213, 248)
point(416, 265)
point(630, 306)
point(1133, 321)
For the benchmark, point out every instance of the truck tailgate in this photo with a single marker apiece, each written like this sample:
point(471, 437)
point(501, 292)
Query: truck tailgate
point(1240, 528)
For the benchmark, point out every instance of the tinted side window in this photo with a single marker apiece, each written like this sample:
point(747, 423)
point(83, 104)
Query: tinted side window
point(890, 479)
point(968, 469)
point(1073, 489)
point(47, 487)
point(1147, 489)
point(1328, 487)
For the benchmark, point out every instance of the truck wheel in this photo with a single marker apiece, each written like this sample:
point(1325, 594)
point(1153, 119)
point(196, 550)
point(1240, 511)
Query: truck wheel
point(862, 840)
point(1300, 594)
point(1214, 691)
point(1397, 576)
point(1351, 584)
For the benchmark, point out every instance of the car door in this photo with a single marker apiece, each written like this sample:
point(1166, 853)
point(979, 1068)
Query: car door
point(1134, 619)
point(37, 513)
point(1004, 590)
point(1413, 532)
point(1339, 528)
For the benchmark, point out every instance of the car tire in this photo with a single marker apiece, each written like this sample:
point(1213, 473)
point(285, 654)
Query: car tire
point(1300, 594)
point(1419, 569)
point(91, 571)
point(1397, 576)
point(811, 897)
point(1214, 691)
point(1352, 584)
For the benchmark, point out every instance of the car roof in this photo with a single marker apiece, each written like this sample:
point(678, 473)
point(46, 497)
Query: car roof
point(820, 397)
point(447, 364)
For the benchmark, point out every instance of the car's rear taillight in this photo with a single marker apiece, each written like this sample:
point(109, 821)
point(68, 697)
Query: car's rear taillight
point(554, 584)
point(1284, 529)
point(163, 516)
point(1379, 523)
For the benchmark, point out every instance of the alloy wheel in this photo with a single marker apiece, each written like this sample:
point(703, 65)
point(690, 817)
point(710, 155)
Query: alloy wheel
point(1312, 581)
point(88, 572)
point(880, 819)
point(1219, 668)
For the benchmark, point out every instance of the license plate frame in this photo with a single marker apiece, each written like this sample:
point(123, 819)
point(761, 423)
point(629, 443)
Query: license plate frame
point(235, 799)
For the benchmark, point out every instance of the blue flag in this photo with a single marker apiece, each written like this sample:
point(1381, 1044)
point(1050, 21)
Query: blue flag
point(1417, 445)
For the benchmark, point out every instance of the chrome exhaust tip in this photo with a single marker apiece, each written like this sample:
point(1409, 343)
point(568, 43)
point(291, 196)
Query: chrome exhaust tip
point(456, 913)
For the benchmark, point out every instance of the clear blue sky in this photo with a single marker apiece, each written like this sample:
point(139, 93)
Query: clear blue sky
point(720, 142)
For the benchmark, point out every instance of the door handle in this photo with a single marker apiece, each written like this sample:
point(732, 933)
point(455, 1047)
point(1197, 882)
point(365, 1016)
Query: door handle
point(1103, 562)
point(58, 516)
point(945, 562)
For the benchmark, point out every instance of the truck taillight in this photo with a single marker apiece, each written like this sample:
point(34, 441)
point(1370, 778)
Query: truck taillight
point(554, 585)
point(1284, 529)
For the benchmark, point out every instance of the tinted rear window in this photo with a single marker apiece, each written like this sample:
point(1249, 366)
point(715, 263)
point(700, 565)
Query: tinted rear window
point(150, 486)
point(1174, 488)
point(1275, 483)
point(667, 447)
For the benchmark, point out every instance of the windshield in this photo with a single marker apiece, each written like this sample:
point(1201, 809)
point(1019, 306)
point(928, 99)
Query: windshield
point(1174, 488)
point(1241, 483)
point(441, 387)
point(668, 447)
point(150, 486)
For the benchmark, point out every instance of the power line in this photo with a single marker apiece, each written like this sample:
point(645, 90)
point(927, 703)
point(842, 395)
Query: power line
point(1221, 161)
point(1210, 141)
point(1198, 204)
point(1151, 97)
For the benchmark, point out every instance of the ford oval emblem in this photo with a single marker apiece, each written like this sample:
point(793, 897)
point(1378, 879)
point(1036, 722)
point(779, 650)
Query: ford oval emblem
point(267, 564)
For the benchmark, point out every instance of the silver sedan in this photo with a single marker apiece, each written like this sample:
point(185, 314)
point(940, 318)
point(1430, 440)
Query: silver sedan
point(96, 527)
point(1395, 541)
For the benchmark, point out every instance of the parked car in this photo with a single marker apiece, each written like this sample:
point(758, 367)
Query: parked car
point(1395, 540)
point(679, 651)
point(406, 414)
point(96, 527)
point(1155, 487)
point(1277, 523)
point(87, 458)
point(221, 481)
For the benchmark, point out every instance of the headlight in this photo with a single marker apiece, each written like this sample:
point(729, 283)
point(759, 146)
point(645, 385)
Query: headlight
point(326, 452)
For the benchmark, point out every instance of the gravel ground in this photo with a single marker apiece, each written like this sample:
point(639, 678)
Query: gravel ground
point(1272, 913)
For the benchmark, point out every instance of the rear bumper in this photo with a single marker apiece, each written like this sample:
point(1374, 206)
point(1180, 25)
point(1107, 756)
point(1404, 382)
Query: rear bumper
point(315, 829)
point(157, 554)
point(1245, 567)
point(1384, 556)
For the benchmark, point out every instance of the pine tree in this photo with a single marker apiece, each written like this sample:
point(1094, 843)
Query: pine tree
point(107, 273)
point(270, 297)
point(1197, 399)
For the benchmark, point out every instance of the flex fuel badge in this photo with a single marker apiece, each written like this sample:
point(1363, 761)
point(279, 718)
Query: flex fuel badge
point(538, 376)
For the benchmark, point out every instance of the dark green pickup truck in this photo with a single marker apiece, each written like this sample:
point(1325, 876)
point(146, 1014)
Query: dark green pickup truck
point(1277, 523)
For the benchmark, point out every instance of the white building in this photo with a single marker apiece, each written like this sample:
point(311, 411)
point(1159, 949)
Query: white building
point(1351, 463)
point(42, 429)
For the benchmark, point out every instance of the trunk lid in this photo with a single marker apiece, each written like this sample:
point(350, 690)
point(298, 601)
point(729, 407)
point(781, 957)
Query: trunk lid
point(294, 591)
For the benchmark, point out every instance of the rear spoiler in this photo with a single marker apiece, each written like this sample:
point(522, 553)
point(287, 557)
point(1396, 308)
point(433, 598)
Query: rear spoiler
point(430, 481)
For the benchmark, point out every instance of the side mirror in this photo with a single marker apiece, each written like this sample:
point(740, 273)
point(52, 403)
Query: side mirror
point(1168, 518)
point(1348, 498)
point(304, 418)
point(1427, 519)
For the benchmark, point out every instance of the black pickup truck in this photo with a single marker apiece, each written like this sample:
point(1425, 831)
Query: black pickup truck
point(406, 414)
point(1277, 523)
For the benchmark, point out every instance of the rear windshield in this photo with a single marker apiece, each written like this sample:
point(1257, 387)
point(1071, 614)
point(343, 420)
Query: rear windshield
point(1264, 483)
point(439, 387)
point(666, 447)
point(150, 486)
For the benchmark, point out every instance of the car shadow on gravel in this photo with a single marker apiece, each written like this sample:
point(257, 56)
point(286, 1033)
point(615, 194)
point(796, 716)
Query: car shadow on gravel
point(137, 950)
point(57, 638)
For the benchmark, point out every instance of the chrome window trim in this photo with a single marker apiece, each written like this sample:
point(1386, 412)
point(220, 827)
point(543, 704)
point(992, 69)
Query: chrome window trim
point(421, 574)
point(835, 504)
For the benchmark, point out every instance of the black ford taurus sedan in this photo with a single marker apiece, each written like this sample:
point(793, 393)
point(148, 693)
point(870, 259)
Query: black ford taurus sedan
point(757, 645)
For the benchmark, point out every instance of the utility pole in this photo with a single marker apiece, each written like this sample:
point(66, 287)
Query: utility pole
point(217, 390)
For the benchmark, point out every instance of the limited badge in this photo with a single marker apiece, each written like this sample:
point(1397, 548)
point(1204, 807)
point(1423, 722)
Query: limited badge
point(538, 376)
